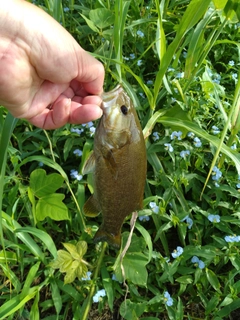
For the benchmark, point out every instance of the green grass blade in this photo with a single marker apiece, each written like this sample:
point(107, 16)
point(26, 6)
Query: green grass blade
point(43, 236)
point(195, 10)
point(33, 247)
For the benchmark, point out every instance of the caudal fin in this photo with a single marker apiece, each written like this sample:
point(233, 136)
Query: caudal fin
point(112, 240)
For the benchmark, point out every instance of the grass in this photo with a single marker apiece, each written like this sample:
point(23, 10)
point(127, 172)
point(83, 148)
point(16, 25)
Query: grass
point(179, 62)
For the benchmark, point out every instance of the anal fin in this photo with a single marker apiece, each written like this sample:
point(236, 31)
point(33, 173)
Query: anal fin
point(113, 240)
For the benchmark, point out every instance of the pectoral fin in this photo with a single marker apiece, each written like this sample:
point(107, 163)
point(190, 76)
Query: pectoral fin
point(89, 165)
point(91, 207)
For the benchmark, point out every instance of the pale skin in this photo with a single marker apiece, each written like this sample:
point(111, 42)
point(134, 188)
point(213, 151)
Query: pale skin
point(45, 76)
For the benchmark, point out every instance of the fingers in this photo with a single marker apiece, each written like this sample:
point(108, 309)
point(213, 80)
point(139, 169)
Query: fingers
point(64, 110)
point(91, 73)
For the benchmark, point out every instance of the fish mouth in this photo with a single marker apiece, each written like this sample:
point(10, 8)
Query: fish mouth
point(108, 98)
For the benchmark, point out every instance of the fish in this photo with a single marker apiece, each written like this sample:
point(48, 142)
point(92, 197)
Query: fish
point(119, 165)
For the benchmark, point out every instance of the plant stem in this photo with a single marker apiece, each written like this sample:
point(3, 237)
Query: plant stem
point(93, 286)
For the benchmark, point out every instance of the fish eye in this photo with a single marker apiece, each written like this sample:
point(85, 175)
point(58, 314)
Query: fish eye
point(124, 110)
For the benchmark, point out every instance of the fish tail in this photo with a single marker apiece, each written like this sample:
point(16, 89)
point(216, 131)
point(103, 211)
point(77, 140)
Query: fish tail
point(113, 240)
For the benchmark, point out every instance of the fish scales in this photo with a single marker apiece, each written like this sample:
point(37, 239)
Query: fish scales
point(119, 161)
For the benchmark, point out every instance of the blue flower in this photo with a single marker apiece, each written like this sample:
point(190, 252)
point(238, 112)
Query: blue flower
point(144, 218)
point(167, 298)
point(191, 135)
point(215, 130)
point(168, 147)
point(75, 175)
point(66, 9)
point(235, 77)
point(238, 185)
point(154, 207)
point(231, 63)
point(232, 238)
point(197, 142)
point(88, 277)
point(234, 146)
point(216, 173)
point(184, 153)
point(142, 95)
point(214, 218)
point(149, 82)
point(132, 55)
point(176, 134)
point(180, 75)
point(78, 152)
point(92, 130)
point(140, 33)
point(189, 221)
point(177, 252)
point(184, 54)
point(155, 136)
point(200, 263)
point(98, 295)
point(78, 131)
point(139, 63)
point(40, 164)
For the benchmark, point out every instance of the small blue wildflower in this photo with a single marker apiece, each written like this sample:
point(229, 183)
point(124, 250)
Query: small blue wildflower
point(140, 33)
point(215, 130)
point(231, 63)
point(92, 131)
point(184, 54)
point(191, 135)
point(76, 130)
point(238, 185)
point(139, 63)
point(200, 263)
point(232, 238)
point(155, 136)
point(234, 146)
point(142, 95)
point(75, 175)
point(177, 252)
point(98, 295)
point(180, 75)
point(78, 152)
point(169, 147)
point(171, 69)
point(176, 134)
point(154, 207)
point(149, 82)
point(189, 222)
point(214, 218)
point(184, 153)
point(144, 218)
point(167, 299)
point(216, 173)
point(66, 9)
point(88, 277)
point(234, 76)
point(125, 58)
point(173, 99)
point(197, 142)
point(132, 55)
point(40, 164)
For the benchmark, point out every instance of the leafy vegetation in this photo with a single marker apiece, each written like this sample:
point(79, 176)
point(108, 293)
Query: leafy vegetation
point(179, 61)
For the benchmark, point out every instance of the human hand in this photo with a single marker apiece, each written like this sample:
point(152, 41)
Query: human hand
point(45, 76)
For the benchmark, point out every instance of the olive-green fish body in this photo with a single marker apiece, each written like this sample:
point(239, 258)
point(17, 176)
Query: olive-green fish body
point(119, 160)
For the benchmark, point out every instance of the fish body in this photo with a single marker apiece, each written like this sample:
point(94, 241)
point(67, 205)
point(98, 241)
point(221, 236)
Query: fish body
point(119, 165)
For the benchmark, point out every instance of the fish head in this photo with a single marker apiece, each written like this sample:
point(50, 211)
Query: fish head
point(117, 110)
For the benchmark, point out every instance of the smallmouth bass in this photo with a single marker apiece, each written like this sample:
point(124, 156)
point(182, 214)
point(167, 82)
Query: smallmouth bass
point(119, 166)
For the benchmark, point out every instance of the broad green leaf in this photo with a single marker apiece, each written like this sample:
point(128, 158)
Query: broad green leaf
point(52, 206)
point(43, 184)
point(101, 17)
point(107, 284)
point(132, 311)
point(90, 23)
point(226, 311)
point(56, 296)
point(213, 280)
